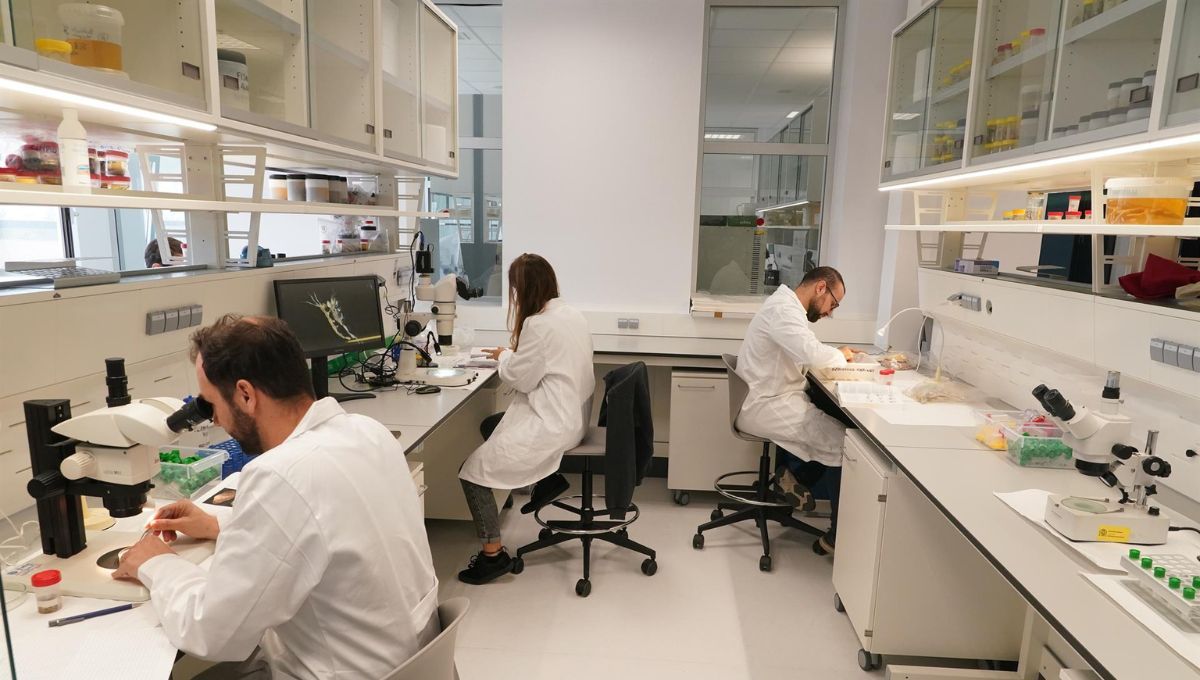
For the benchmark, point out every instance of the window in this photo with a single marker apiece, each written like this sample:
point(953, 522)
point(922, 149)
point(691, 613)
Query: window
point(466, 243)
point(768, 102)
point(30, 233)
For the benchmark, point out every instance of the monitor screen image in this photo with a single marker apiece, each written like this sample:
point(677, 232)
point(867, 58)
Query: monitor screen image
point(333, 315)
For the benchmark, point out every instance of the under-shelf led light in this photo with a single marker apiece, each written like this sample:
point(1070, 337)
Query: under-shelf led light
point(91, 102)
point(793, 114)
point(1050, 162)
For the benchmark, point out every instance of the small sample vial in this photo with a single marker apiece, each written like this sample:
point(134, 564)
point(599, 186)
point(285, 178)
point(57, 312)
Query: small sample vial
point(46, 590)
point(1174, 583)
point(1134, 553)
point(1147, 563)
point(1160, 572)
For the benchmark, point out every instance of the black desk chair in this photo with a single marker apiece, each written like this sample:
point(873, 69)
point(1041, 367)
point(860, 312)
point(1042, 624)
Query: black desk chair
point(759, 501)
point(590, 526)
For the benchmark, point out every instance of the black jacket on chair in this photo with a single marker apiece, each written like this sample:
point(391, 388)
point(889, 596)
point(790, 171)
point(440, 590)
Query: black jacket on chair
point(629, 440)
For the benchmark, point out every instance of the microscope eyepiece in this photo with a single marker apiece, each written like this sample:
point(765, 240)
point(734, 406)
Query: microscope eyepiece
point(1058, 406)
point(118, 383)
point(192, 414)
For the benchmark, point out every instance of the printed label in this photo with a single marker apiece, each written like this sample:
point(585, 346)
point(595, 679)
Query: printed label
point(1113, 534)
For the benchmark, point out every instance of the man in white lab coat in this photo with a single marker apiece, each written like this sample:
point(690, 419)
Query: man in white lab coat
point(776, 355)
point(324, 564)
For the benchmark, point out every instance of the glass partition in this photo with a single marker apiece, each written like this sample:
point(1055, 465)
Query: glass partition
point(147, 47)
point(401, 79)
point(1019, 50)
point(1183, 86)
point(341, 91)
point(438, 90)
point(261, 59)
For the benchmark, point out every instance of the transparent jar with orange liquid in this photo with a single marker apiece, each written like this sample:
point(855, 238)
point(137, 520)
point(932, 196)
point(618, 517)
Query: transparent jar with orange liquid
point(94, 32)
point(1147, 200)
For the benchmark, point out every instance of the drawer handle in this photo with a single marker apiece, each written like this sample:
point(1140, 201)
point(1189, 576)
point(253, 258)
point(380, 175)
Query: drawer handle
point(697, 388)
point(421, 490)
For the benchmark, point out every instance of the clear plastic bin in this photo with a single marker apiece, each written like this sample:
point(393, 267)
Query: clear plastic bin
point(1037, 445)
point(177, 481)
point(991, 427)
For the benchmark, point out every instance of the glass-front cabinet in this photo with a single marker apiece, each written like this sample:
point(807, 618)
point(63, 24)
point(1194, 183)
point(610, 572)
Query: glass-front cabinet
point(148, 47)
point(1012, 112)
point(930, 81)
point(439, 88)
point(1107, 69)
point(341, 88)
point(1182, 88)
point(263, 68)
point(401, 79)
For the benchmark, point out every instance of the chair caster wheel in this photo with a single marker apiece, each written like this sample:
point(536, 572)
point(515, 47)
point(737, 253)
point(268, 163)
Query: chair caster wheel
point(682, 498)
point(837, 604)
point(545, 534)
point(716, 515)
point(816, 547)
point(583, 587)
point(698, 541)
point(868, 661)
point(764, 563)
point(649, 567)
point(623, 533)
point(518, 565)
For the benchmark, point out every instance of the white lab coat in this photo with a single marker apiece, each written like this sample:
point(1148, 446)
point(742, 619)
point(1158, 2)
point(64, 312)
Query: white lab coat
point(553, 377)
point(779, 349)
point(324, 561)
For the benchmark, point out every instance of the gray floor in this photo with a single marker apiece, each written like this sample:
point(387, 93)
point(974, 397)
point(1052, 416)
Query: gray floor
point(708, 614)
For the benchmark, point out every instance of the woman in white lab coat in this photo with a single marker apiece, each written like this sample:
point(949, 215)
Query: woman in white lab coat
point(550, 367)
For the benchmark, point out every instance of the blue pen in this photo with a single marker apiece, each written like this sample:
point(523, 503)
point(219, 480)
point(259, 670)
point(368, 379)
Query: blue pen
point(91, 615)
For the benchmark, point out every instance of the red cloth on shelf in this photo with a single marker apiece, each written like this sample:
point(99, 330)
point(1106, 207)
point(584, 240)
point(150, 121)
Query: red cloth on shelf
point(1159, 279)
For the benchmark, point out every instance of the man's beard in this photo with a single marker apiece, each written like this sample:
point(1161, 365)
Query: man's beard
point(245, 431)
point(813, 316)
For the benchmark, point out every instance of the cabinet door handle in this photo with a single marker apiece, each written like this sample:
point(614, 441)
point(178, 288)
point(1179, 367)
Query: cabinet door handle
point(421, 489)
point(387, 134)
point(697, 388)
point(370, 129)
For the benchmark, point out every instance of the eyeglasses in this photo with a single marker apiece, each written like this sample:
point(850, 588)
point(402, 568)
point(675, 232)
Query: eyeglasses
point(836, 302)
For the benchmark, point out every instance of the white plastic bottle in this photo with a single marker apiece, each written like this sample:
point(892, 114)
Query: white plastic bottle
point(73, 154)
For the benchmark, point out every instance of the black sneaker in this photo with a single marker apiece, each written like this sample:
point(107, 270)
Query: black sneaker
point(545, 492)
point(824, 545)
point(484, 568)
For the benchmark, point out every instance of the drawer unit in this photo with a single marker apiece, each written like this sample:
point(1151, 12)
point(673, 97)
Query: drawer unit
point(702, 445)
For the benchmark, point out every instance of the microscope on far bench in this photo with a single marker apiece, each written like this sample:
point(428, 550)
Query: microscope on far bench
point(1097, 440)
point(110, 453)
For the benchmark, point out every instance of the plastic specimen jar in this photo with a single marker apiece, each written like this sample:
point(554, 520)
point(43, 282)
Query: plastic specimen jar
point(46, 587)
point(94, 32)
point(1147, 200)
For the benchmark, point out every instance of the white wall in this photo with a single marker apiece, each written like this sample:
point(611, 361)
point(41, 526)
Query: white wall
point(855, 211)
point(601, 136)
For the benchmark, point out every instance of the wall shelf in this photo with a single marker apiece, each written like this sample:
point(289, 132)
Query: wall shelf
point(1096, 27)
point(1026, 56)
point(945, 94)
point(140, 200)
point(1072, 227)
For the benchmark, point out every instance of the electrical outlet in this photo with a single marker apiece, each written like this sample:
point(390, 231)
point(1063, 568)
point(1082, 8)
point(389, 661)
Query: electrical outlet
point(172, 320)
point(156, 323)
point(197, 314)
point(633, 324)
point(622, 324)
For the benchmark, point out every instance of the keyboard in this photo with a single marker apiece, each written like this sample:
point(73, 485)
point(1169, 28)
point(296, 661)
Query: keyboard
point(61, 276)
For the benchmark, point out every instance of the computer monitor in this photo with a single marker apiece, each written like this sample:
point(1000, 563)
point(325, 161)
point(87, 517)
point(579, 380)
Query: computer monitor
point(332, 316)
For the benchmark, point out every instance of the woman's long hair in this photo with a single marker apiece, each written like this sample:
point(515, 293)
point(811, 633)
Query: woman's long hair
point(531, 284)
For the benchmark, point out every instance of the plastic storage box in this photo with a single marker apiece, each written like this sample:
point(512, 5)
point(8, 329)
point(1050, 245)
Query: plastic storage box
point(1147, 200)
point(991, 427)
point(177, 481)
point(1037, 445)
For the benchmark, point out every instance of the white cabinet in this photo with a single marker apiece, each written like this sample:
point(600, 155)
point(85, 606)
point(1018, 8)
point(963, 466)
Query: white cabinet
point(418, 476)
point(341, 77)
point(401, 79)
point(439, 90)
point(702, 445)
point(911, 584)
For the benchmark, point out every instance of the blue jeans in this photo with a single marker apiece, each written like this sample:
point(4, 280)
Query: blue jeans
point(823, 481)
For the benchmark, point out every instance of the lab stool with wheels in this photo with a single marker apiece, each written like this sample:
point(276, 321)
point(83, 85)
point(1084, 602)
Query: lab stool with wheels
point(593, 524)
point(758, 501)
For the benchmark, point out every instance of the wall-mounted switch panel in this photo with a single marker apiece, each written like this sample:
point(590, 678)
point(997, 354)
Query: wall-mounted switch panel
point(167, 320)
point(629, 324)
point(1175, 354)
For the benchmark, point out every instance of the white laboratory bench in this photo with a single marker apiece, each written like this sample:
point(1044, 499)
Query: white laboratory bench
point(415, 419)
point(960, 477)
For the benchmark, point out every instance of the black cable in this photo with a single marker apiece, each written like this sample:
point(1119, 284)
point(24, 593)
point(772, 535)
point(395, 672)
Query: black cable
point(1184, 529)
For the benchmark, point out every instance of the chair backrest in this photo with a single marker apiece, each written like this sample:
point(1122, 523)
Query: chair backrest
point(738, 391)
point(435, 661)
